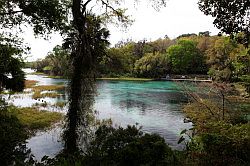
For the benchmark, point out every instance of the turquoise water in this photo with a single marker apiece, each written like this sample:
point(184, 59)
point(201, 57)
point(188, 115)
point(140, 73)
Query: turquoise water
point(154, 105)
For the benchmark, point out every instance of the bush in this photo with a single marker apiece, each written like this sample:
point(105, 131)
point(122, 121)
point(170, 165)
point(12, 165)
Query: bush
point(12, 137)
point(218, 141)
point(128, 147)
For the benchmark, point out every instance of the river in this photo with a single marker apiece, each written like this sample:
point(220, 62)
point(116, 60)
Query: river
point(154, 105)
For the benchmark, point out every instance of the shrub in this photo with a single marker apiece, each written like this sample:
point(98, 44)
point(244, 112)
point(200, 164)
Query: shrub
point(128, 147)
point(12, 137)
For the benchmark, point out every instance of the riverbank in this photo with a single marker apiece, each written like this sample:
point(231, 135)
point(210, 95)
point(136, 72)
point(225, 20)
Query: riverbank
point(185, 79)
point(126, 79)
point(189, 78)
point(102, 78)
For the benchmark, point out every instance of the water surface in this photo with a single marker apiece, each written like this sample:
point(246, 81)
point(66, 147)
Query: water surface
point(154, 105)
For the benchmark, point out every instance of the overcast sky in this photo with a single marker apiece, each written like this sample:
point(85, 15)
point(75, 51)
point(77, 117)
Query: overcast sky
point(179, 17)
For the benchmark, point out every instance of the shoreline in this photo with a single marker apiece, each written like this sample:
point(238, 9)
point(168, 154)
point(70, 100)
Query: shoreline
point(186, 79)
point(136, 79)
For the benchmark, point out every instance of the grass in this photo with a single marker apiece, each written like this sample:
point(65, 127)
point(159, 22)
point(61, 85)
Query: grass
point(33, 119)
point(126, 79)
point(43, 104)
point(48, 87)
point(39, 95)
point(30, 83)
point(38, 91)
point(60, 104)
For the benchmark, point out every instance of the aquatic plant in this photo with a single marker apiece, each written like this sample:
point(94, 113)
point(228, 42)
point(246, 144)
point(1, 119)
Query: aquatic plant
point(34, 119)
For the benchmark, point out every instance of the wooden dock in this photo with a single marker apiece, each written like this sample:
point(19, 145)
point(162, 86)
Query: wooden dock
point(184, 79)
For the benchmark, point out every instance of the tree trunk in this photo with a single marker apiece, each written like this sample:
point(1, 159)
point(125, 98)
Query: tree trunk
point(81, 85)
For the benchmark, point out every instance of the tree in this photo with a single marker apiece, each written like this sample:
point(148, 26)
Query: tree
point(44, 16)
point(11, 74)
point(218, 59)
point(186, 58)
point(206, 33)
point(186, 35)
point(161, 45)
point(88, 44)
point(128, 147)
point(152, 66)
point(117, 61)
point(59, 62)
point(87, 40)
point(231, 16)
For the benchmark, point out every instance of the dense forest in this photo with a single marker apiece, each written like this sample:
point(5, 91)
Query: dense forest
point(219, 110)
point(221, 58)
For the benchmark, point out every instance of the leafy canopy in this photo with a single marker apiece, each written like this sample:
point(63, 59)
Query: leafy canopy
point(42, 15)
point(231, 16)
point(184, 56)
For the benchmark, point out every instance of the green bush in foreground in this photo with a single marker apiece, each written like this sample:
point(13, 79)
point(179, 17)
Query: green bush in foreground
point(128, 147)
point(118, 147)
point(217, 141)
point(12, 137)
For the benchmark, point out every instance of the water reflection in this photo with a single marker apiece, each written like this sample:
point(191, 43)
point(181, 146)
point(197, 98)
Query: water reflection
point(47, 143)
point(154, 105)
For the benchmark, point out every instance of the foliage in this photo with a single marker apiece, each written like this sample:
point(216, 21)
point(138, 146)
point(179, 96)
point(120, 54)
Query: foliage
point(246, 82)
point(241, 62)
point(184, 56)
point(223, 59)
point(117, 61)
point(28, 64)
point(39, 65)
point(59, 61)
point(12, 138)
point(230, 16)
point(186, 35)
point(11, 75)
point(159, 45)
point(152, 66)
point(56, 63)
point(120, 146)
point(218, 59)
point(220, 133)
point(128, 147)
point(44, 15)
point(87, 44)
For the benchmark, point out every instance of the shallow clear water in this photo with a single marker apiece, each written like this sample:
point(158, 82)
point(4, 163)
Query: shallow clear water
point(154, 105)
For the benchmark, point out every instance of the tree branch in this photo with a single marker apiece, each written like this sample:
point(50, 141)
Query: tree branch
point(12, 12)
point(86, 3)
point(110, 7)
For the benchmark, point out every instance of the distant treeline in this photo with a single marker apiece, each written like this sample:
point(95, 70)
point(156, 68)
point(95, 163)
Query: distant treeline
point(221, 57)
